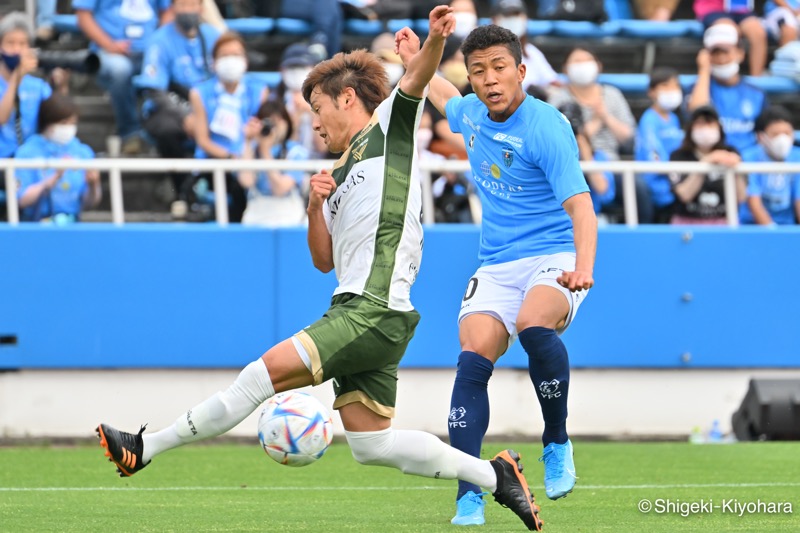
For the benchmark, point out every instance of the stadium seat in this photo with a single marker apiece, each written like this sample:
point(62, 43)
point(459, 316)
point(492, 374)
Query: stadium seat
point(539, 27)
point(396, 25)
point(364, 28)
point(618, 9)
point(647, 29)
point(638, 83)
point(271, 79)
point(585, 30)
point(293, 26)
point(66, 23)
point(251, 26)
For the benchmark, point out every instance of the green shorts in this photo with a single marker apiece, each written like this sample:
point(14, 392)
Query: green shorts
point(359, 343)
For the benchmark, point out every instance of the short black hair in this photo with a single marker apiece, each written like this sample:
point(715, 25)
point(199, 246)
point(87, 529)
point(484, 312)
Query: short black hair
point(662, 75)
point(276, 107)
point(771, 115)
point(484, 37)
point(55, 109)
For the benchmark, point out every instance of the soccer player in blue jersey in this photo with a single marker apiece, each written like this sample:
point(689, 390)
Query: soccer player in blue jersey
point(537, 248)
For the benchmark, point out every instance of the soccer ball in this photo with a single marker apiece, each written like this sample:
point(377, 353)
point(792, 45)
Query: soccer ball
point(294, 428)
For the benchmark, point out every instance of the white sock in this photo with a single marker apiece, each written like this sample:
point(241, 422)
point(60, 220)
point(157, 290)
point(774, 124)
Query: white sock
point(216, 415)
point(421, 454)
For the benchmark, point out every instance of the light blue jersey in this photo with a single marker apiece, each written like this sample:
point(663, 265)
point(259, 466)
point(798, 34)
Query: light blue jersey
point(173, 57)
point(125, 20)
point(778, 190)
point(67, 196)
point(32, 92)
point(738, 106)
point(524, 170)
point(656, 138)
point(228, 113)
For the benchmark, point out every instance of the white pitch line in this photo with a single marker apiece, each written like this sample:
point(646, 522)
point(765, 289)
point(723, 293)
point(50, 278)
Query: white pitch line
point(438, 487)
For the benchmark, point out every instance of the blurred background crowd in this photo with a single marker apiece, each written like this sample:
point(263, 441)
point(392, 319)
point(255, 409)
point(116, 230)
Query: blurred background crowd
point(660, 80)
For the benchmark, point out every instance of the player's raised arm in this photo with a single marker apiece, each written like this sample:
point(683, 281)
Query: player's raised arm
point(422, 64)
point(441, 90)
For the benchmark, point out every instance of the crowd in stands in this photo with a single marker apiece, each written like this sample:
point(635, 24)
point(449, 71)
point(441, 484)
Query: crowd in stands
point(180, 87)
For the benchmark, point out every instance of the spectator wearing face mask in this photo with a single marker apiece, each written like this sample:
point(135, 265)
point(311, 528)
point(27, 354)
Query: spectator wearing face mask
point(177, 58)
point(658, 135)
point(700, 197)
point(20, 93)
point(720, 84)
point(466, 18)
point(773, 197)
point(383, 47)
point(56, 195)
point(296, 63)
point(513, 16)
point(223, 106)
point(741, 15)
point(609, 123)
point(275, 197)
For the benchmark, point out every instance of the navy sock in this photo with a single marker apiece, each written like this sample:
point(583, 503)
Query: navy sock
point(548, 365)
point(469, 409)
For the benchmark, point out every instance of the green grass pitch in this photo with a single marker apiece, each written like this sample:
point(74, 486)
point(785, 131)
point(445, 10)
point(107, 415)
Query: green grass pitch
point(238, 488)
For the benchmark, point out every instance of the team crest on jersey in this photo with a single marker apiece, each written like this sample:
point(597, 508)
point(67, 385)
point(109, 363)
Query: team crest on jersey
point(358, 152)
point(485, 168)
point(508, 156)
point(472, 142)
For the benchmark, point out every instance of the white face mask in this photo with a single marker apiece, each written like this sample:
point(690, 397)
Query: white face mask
point(294, 77)
point(669, 100)
point(518, 24)
point(465, 23)
point(779, 146)
point(705, 137)
point(726, 71)
point(230, 68)
point(394, 71)
point(62, 133)
point(424, 136)
point(583, 72)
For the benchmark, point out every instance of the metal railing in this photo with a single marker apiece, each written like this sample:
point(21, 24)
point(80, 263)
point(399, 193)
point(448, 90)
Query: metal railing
point(218, 167)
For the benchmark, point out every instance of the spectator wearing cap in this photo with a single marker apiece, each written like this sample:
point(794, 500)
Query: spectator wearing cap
point(513, 16)
point(119, 31)
point(720, 84)
point(296, 63)
point(700, 197)
point(327, 23)
point(740, 14)
point(177, 59)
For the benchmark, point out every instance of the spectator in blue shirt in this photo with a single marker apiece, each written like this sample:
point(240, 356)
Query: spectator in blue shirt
point(720, 84)
point(327, 23)
point(658, 135)
point(177, 58)
point(223, 106)
point(56, 195)
point(773, 197)
point(275, 196)
point(20, 93)
point(119, 31)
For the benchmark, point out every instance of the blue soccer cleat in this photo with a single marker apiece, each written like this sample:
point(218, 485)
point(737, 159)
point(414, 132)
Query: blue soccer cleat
point(469, 510)
point(559, 470)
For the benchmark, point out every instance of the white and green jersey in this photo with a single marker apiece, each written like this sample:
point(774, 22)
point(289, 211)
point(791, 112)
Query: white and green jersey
point(374, 215)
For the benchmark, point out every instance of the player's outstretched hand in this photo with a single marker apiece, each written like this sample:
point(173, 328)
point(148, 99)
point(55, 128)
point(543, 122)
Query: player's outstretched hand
point(406, 44)
point(320, 187)
point(442, 22)
point(576, 281)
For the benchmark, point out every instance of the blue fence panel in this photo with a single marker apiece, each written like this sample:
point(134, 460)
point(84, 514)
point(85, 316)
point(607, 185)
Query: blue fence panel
point(156, 295)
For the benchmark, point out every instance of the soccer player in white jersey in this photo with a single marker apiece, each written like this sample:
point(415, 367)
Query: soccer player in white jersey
point(537, 248)
point(363, 221)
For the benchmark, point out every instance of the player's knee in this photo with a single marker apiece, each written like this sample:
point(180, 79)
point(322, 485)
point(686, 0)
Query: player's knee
point(473, 367)
point(369, 447)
